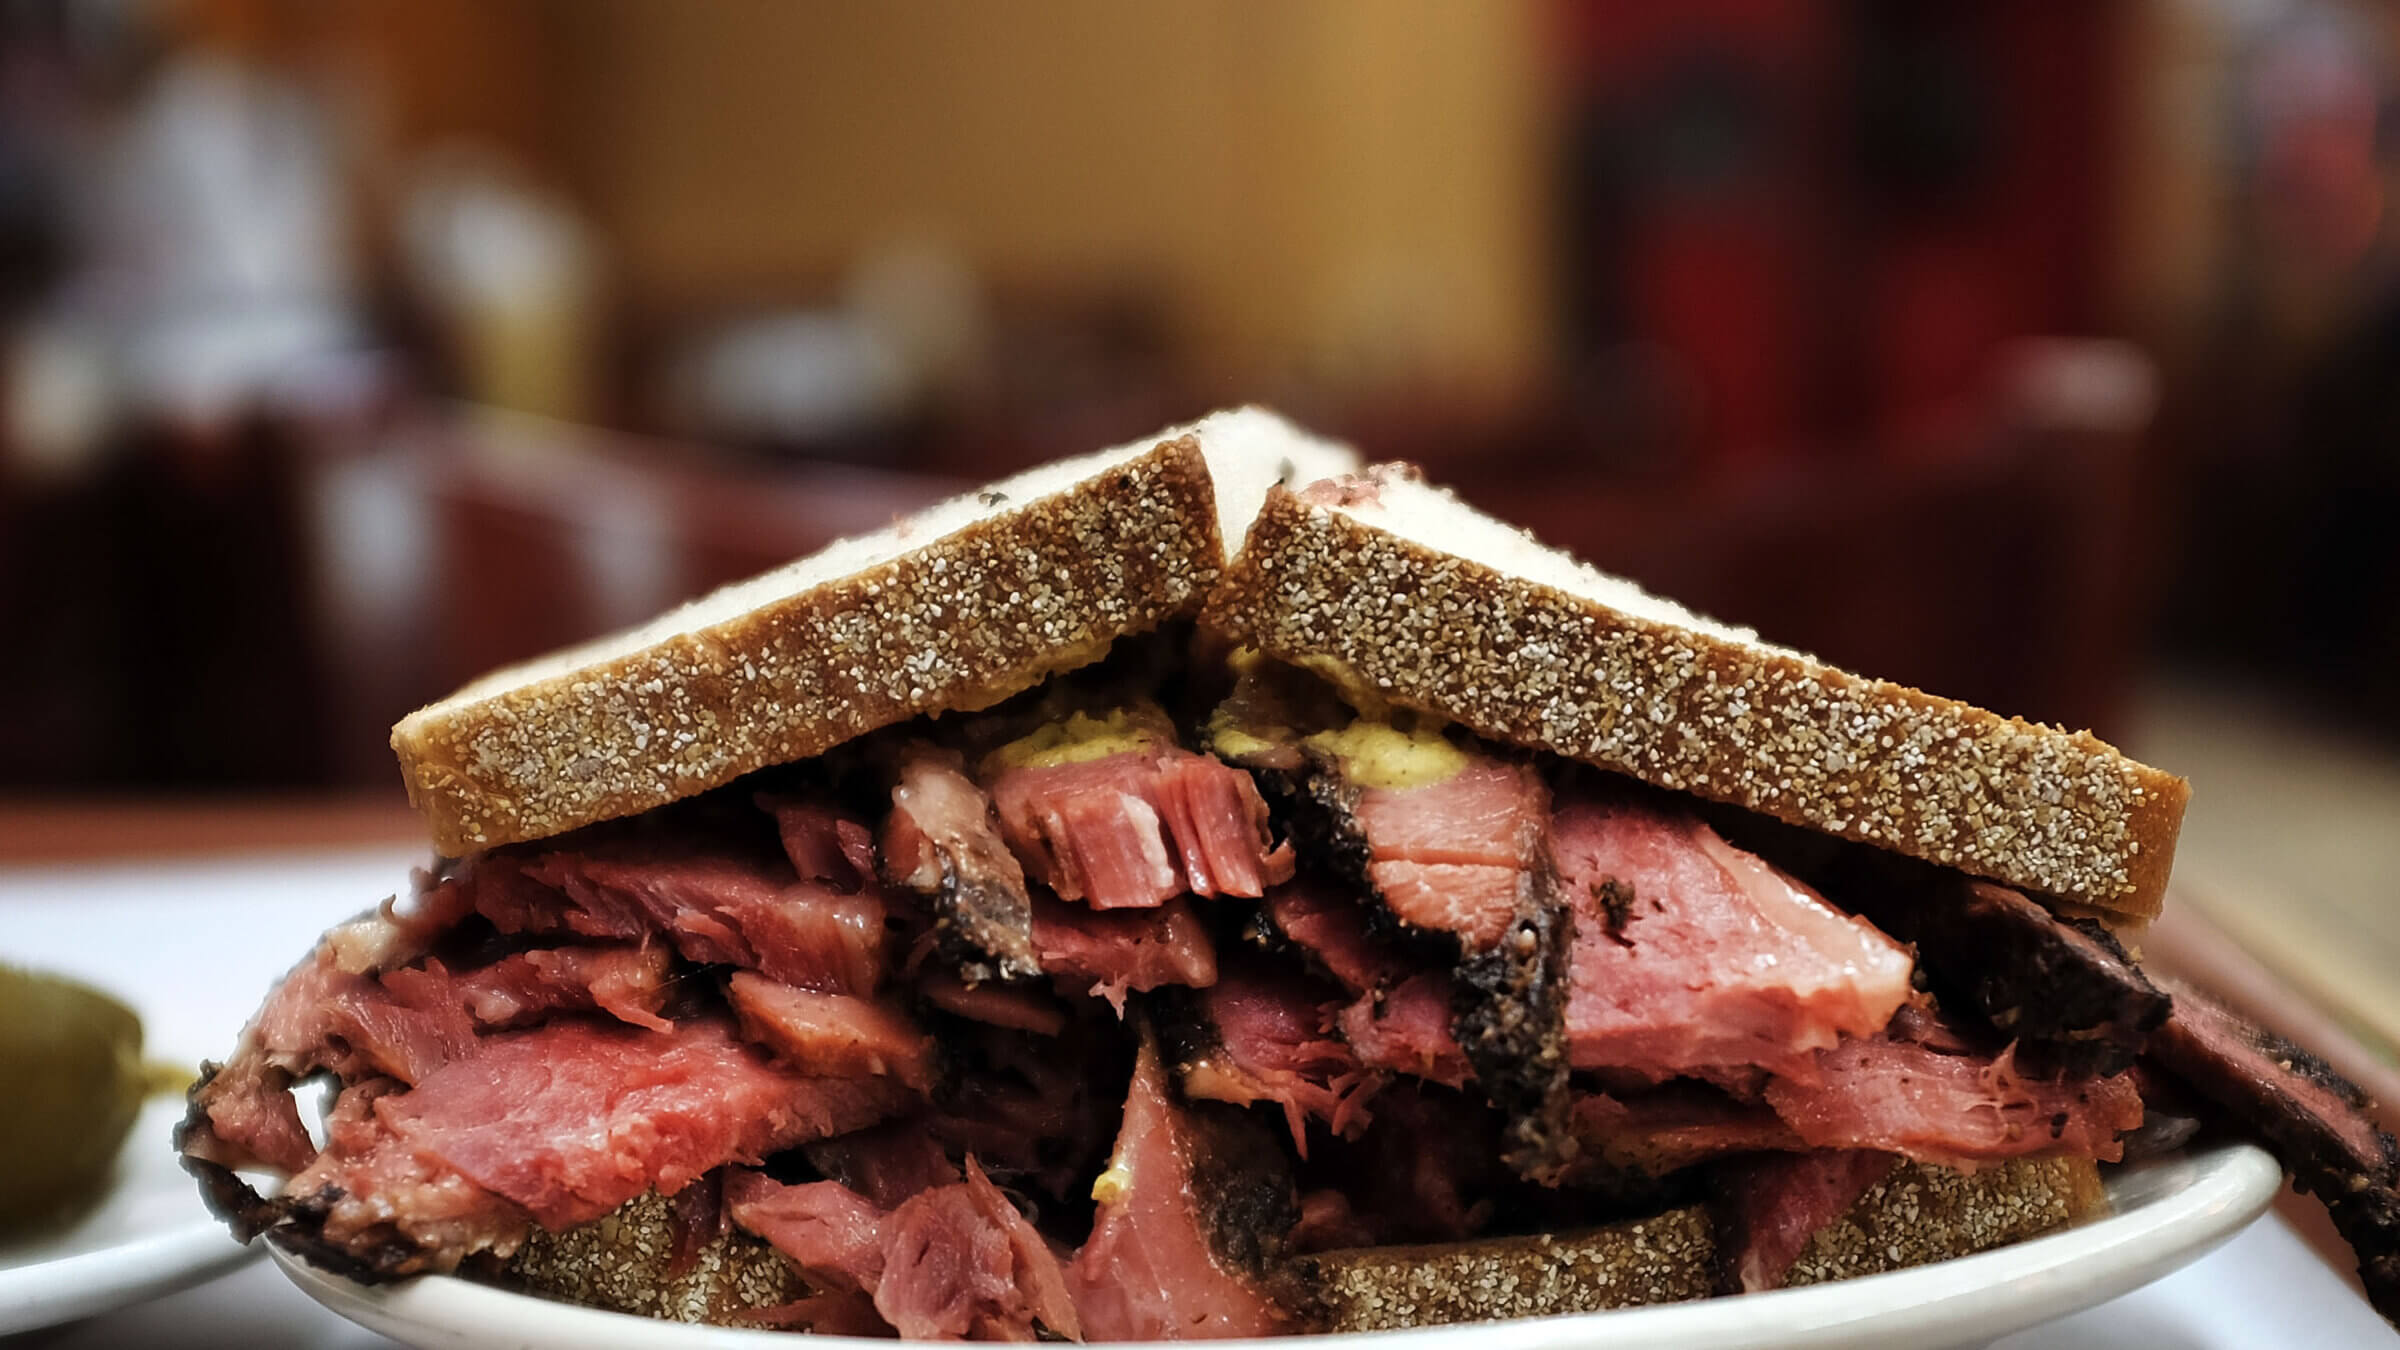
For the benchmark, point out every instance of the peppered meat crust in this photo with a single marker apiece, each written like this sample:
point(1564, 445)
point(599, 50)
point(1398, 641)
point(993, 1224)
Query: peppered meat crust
point(1243, 1186)
point(2063, 989)
point(228, 1196)
point(296, 1222)
point(1509, 1000)
point(1508, 1010)
point(983, 924)
point(2315, 1121)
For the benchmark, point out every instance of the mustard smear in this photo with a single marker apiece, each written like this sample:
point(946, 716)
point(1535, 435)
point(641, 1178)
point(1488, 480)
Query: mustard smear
point(1380, 755)
point(1232, 741)
point(1078, 738)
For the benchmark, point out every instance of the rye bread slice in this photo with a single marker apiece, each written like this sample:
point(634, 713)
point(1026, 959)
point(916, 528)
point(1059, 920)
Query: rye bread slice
point(1399, 592)
point(1918, 1214)
point(954, 608)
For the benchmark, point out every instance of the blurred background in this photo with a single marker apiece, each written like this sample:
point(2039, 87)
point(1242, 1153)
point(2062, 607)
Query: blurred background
point(2043, 353)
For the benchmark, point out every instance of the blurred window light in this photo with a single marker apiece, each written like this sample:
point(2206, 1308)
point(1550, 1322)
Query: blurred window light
point(512, 271)
point(59, 401)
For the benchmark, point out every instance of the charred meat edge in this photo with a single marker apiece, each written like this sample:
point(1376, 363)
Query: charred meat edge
point(297, 1222)
point(2265, 1082)
point(1509, 1001)
point(982, 912)
point(1241, 1178)
point(984, 926)
point(1248, 1203)
point(2063, 989)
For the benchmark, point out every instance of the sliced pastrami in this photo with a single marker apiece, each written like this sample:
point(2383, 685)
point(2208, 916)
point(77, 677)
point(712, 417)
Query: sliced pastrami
point(1407, 1030)
point(824, 844)
point(626, 981)
point(1651, 1134)
point(1465, 855)
point(572, 1119)
point(1164, 1260)
point(1113, 813)
point(886, 1163)
point(1328, 926)
point(714, 908)
point(1692, 957)
point(1454, 844)
point(2313, 1119)
point(1258, 1035)
point(942, 841)
point(960, 1261)
point(832, 1233)
point(1105, 953)
point(832, 1035)
point(2063, 989)
point(1959, 1111)
point(408, 1023)
point(950, 1262)
point(313, 1020)
point(374, 1208)
point(242, 1115)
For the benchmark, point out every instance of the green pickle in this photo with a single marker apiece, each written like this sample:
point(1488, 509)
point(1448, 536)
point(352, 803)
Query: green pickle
point(71, 1082)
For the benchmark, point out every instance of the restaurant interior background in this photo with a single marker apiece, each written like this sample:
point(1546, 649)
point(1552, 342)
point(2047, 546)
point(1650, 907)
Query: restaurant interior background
point(2046, 354)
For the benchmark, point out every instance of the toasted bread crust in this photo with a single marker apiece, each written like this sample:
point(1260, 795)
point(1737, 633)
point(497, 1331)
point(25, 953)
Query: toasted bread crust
point(626, 1262)
point(1918, 1214)
point(1921, 1213)
point(958, 623)
point(2058, 813)
point(1666, 1258)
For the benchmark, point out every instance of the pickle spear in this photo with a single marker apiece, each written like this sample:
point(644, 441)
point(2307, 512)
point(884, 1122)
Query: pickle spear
point(71, 1082)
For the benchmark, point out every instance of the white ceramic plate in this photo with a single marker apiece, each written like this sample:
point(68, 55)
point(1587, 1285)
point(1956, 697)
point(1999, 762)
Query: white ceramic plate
point(191, 946)
point(148, 1237)
point(2167, 1213)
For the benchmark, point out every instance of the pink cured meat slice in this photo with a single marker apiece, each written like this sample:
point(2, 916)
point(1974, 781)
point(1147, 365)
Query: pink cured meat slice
point(1137, 829)
point(572, 1119)
point(1721, 963)
point(1148, 1272)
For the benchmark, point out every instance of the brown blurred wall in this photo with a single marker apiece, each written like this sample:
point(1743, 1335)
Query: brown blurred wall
point(1343, 191)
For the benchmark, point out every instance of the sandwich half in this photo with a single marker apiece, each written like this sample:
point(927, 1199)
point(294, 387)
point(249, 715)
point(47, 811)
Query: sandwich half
point(1210, 889)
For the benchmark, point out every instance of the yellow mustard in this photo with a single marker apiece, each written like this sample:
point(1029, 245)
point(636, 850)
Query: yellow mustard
point(1233, 741)
point(1380, 755)
point(1075, 739)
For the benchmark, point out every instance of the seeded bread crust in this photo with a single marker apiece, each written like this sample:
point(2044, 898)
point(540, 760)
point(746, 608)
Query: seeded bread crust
point(1355, 580)
point(1922, 1213)
point(1667, 1258)
point(1917, 1215)
point(625, 1262)
point(1024, 591)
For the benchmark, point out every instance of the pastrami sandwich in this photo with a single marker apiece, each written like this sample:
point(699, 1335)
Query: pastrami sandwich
point(1204, 889)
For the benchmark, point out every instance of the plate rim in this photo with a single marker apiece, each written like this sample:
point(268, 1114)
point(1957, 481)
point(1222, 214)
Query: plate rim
point(46, 1293)
point(45, 1282)
point(1984, 1294)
